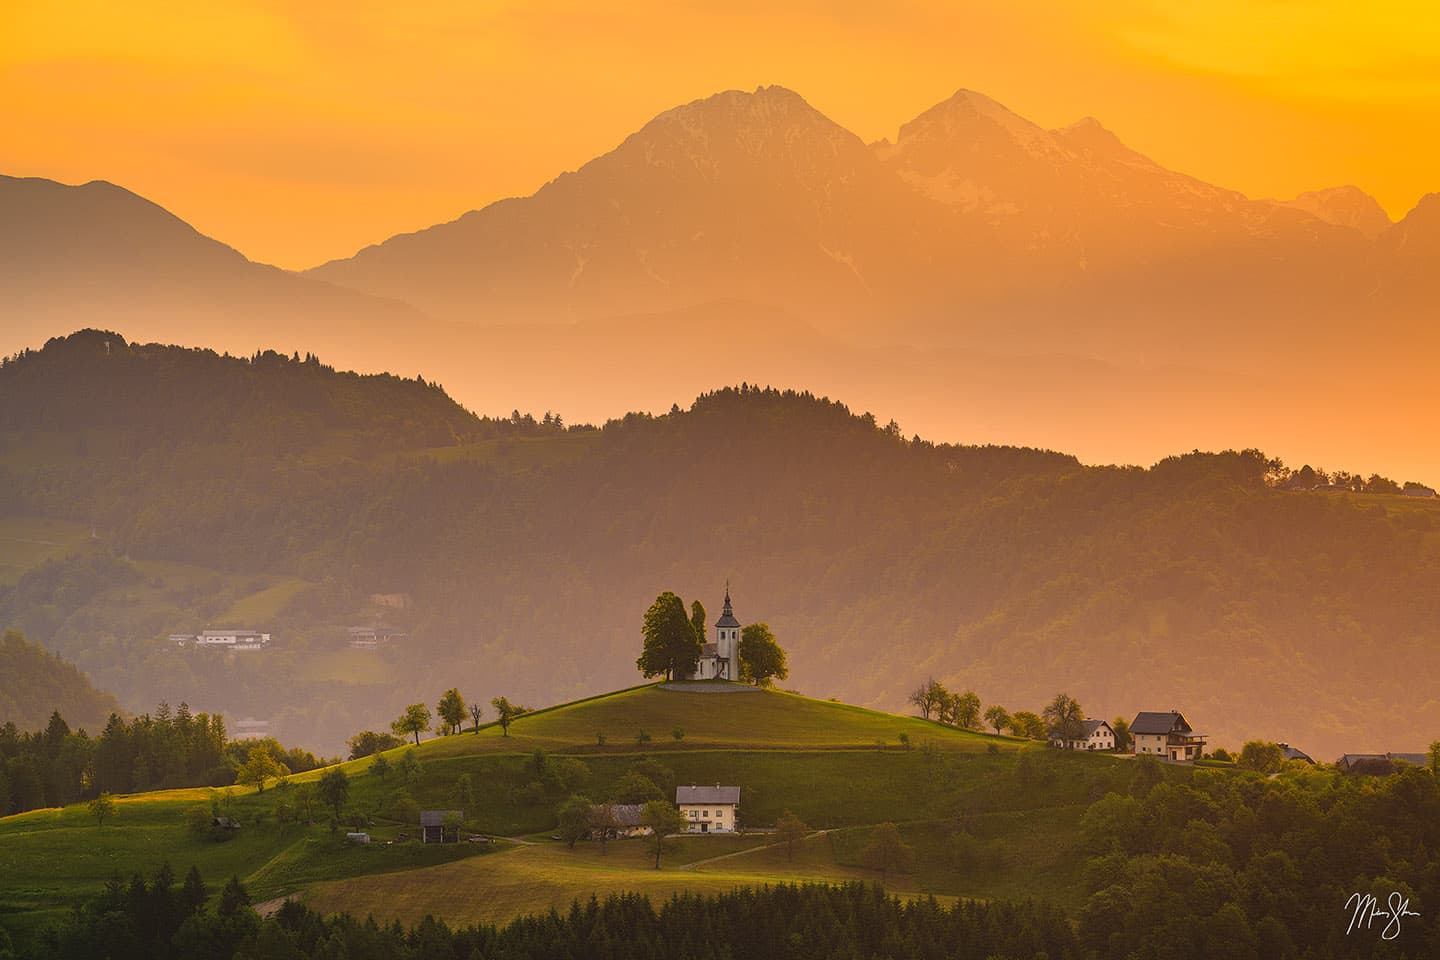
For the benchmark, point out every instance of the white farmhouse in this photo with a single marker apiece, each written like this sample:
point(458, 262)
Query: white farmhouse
point(1094, 735)
point(721, 660)
point(708, 809)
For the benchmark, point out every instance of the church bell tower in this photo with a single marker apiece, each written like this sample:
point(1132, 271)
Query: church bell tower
point(727, 640)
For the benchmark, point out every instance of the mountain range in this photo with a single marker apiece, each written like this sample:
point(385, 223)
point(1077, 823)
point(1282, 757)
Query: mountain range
point(979, 277)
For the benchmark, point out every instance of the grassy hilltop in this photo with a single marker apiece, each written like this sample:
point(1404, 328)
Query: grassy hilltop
point(987, 815)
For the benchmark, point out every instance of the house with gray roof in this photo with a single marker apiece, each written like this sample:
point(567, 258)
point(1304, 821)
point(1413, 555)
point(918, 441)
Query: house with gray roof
point(1094, 735)
point(624, 821)
point(1167, 735)
point(1293, 753)
point(709, 809)
point(1379, 764)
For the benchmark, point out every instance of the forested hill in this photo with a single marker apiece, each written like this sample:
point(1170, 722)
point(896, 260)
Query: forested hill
point(35, 684)
point(98, 389)
point(528, 553)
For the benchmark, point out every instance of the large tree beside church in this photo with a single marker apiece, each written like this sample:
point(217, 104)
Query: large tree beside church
point(762, 661)
point(671, 646)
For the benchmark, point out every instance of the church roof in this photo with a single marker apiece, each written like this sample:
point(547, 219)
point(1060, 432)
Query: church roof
point(727, 616)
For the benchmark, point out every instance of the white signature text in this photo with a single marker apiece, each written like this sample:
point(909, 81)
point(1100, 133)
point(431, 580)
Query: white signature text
point(1365, 909)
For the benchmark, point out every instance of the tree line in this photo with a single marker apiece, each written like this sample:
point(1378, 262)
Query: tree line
point(143, 919)
point(167, 749)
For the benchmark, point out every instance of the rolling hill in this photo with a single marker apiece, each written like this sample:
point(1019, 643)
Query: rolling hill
point(523, 555)
point(839, 767)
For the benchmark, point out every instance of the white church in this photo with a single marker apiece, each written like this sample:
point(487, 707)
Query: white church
point(721, 660)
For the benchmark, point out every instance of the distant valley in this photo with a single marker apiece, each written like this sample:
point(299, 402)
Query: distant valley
point(188, 490)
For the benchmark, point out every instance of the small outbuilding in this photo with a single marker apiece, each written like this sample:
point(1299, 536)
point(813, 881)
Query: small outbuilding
point(440, 826)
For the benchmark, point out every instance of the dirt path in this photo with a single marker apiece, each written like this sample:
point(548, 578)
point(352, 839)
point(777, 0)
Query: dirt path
point(268, 908)
point(741, 853)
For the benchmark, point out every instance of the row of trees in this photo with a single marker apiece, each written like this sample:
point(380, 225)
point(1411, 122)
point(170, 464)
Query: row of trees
point(416, 719)
point(1309, 478)
point(674, 639)
point(163, 750)
point(1063, 718)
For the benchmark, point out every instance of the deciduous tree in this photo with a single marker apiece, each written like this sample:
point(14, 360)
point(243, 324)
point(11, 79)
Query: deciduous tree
point(965, 709)
point(334, 789)
point(886, 851)
point(413, 722)
point(574, 820)
point(102, 808)
point(505, 713)
point(997, 717)
point(1123, 740)
point(790, 829)
point(1065, 717)
point(762, 660)
point(663, 819)
point(451, 709)
point(670, 646)
point(929, 697)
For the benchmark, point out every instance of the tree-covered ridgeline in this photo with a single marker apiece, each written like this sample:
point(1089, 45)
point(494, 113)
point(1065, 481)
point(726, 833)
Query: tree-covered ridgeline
point(875, 556)
point(35, 683)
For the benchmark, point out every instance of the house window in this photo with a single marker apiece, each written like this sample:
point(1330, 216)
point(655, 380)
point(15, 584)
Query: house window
point(705, 814)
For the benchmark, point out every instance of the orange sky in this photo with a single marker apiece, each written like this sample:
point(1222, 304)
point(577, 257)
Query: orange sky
point(299, 132)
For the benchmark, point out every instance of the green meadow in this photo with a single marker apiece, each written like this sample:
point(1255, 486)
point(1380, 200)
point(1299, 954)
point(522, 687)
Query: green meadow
point(987, 816)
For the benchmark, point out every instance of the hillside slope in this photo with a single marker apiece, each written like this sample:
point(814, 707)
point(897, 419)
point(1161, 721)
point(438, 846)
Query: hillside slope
point(527, 553)
point(839, 767)
point(34, 684)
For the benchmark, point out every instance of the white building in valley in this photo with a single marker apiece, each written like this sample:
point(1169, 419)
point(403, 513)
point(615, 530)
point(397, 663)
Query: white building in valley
point(721, 660)
point(223, 639)
point(708, 809)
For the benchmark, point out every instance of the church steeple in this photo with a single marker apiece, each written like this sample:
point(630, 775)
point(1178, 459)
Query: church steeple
point(727, 638)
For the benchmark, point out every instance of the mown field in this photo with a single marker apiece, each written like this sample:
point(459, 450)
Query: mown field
point(987, 816)
point(27, 542)
point(755, 719)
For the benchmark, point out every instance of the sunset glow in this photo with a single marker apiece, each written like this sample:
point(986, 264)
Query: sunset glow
point(302, 132)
